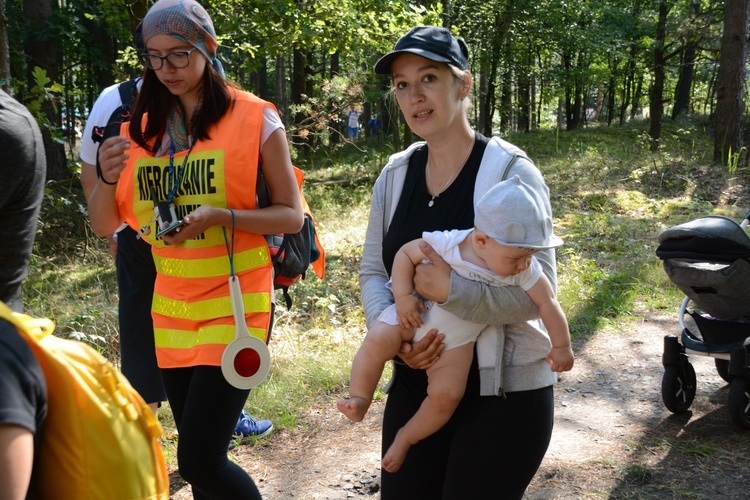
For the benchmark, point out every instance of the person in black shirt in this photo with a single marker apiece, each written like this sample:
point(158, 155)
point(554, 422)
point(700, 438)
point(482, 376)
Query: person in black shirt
point(23, 389)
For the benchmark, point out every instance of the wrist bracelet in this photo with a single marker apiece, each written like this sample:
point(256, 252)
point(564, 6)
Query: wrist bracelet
point(105, 181)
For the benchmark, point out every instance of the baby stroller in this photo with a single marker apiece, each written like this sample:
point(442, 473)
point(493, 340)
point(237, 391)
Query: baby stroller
point(709, 260)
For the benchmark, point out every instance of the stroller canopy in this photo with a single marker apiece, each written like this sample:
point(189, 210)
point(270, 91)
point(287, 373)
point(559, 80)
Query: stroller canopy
point(709, 260)
point(713, 238)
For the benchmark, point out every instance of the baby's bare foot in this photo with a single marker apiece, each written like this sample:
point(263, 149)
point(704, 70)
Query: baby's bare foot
point(355, 409)
point(395, 456)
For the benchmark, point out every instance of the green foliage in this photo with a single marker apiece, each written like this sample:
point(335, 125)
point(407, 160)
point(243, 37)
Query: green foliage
point(323, 115)
point(639, 474)
point(692, 447)
point(733, 159)
point(597, 53)
point(44, 91)
point(72, 278)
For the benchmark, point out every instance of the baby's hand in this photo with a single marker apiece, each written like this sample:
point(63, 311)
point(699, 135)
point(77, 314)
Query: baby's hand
point(407, 312)
point(561, 358)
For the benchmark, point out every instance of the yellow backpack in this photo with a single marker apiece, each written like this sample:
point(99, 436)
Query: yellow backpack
point(101, 440)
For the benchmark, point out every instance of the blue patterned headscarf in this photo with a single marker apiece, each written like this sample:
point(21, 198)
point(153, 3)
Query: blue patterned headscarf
point(183, 19)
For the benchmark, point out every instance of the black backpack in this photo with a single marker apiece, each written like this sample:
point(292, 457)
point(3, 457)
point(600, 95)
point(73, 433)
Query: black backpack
point(292, 253)
point(128, 91)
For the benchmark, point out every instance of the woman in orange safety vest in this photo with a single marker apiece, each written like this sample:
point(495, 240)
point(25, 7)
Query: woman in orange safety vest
point(191, 153)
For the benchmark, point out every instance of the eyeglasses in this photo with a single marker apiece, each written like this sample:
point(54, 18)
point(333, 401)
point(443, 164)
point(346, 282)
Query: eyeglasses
point(177, 60)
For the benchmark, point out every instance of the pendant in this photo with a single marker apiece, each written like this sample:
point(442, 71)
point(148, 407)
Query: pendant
point(432, 202)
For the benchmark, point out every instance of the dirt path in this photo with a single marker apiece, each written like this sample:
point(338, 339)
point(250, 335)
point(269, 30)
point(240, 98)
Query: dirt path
point(613, 436)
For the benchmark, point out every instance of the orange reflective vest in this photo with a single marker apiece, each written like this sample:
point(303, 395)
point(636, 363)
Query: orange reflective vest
point(191, 309)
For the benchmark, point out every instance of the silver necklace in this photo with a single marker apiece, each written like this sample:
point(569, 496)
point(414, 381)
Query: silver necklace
point(450, 179)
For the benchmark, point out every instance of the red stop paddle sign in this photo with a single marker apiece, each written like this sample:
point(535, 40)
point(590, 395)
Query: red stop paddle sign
point(246, 360)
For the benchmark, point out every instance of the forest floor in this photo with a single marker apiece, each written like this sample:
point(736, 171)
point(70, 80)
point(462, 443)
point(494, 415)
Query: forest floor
point(613, 437)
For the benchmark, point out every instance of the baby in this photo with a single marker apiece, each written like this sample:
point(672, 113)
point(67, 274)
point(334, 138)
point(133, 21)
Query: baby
point(510, 227)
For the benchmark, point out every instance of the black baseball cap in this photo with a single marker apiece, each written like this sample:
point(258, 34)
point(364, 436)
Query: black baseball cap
point(431, 42)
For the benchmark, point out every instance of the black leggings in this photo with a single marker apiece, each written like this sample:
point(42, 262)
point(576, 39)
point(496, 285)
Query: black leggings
point(491, 447)
point(206, 409)
point(135, 283)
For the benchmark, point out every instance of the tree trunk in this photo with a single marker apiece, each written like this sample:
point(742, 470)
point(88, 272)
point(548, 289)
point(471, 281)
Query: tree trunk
point(506, 102)
point(730, 82)
point(637, 94)
point(709, 106)
point(599, 104)
point(611, 100)
point(481, 98)
point(506, 91)
point(44, 54)
point(524, 120)
point(578, 93)
point(542, 98)
point(100, 75)
point(313, 140)
point(264, 91)
point(627, 91)
point(335, 65)
point(524, 97)
point(259, 77)
point(298, 76)
point(569, 91)
point(656, 108)
point(685, 80)
point(4, 51)
point(280, 90)
point(390, 116)
point(335, 68)
point(487, 95)
point(297, 91)
point(532, 99)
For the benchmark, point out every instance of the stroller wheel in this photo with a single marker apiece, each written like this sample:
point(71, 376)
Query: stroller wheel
point(722, 368)
point(739, 402)
point(678, 387)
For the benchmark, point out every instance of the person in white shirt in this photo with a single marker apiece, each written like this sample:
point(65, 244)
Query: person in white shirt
point(353, 128)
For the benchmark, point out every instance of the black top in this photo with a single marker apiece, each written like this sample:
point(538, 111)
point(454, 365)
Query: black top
point(22, 169)
point(453, 209)
point(23, 388)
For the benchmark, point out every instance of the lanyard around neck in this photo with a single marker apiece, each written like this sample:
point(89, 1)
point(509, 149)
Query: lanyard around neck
point(173, 184)
point(230, 247)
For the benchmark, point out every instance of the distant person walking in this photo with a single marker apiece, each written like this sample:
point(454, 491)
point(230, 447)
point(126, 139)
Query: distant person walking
point(353, 128)
point(374, 125)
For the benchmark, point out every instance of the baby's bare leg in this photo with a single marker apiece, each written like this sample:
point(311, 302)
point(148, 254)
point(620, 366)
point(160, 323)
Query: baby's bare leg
point(381, 344)
point(446, 386)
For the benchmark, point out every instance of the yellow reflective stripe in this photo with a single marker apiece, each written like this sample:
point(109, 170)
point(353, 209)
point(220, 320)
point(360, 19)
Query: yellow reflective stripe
point(185, 339)
point(213, 266)
point(208, 309)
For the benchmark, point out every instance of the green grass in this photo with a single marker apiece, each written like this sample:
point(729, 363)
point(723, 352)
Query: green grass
point(611, 198)
point(638, 474)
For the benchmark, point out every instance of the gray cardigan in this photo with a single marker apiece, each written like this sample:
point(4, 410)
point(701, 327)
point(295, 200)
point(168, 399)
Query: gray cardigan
point(512, 355)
